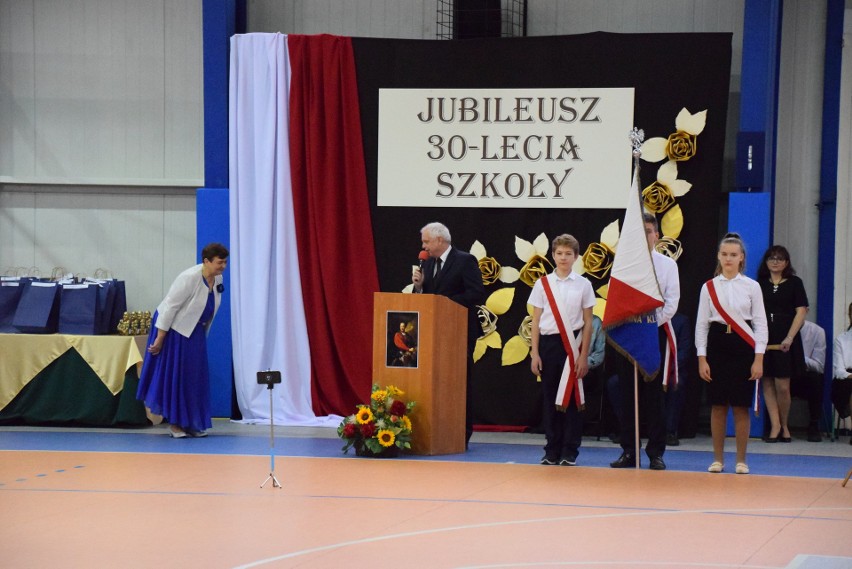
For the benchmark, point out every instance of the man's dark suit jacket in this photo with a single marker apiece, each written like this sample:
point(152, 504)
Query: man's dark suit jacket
point(461, 281)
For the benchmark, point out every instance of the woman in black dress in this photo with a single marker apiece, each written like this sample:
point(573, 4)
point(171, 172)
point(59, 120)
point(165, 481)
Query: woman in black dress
point(786, 307)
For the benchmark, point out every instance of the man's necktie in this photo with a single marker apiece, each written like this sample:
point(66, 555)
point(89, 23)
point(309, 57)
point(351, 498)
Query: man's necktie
point(437, 267)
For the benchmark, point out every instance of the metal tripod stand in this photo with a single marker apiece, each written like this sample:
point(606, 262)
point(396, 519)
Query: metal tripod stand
point(269, 382)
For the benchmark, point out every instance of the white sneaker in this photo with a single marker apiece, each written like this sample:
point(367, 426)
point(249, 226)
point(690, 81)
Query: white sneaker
point(742, 468)
point(716, 467)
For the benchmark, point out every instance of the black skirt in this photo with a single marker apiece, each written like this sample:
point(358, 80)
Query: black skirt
point(730, 359)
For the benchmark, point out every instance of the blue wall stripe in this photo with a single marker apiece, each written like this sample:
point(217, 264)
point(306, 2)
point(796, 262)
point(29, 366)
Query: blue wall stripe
point(220, 20)
point(828, 181)
point(212, 204)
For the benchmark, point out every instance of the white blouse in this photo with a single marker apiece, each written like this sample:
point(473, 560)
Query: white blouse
point(842, 360)
point(740, 295)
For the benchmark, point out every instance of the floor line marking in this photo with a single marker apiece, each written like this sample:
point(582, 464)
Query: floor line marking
point(482, 525)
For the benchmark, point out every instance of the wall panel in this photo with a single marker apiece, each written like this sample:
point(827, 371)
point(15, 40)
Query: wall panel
point(101, 92)
point(843, 229)
point(799, 132)
point(145, 239)
point(413, 19)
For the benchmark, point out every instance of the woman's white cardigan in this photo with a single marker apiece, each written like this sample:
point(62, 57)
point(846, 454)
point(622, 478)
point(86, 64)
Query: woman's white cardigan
point(185, 301)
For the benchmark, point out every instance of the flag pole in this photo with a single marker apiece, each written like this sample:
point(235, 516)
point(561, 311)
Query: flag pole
point(636, 139)
point(636, 447)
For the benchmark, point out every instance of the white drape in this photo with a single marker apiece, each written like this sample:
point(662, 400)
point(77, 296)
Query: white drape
point(268, 317)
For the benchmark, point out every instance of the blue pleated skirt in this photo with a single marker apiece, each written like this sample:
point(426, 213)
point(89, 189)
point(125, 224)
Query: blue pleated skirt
point(176, 382)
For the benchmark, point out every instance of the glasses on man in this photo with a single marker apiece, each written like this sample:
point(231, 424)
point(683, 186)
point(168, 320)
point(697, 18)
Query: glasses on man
point(776, 259)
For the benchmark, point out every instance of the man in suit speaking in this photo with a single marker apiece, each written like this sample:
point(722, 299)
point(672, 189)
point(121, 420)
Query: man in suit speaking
point(455, 274)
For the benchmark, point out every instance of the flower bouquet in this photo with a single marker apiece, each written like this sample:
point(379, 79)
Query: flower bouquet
point(380, 428)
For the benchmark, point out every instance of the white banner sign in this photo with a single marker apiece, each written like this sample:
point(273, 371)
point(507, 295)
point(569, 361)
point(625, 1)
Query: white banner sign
point(529, 148)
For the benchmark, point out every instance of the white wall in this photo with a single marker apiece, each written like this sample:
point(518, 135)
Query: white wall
point(843, 252)
point(101, 92)
point(101, 138)
point(142, 237)
point(799, 145)
point(411, 19)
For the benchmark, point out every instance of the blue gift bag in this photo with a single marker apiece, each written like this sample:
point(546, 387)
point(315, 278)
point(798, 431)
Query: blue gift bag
point(38, 308)
point(119, 306)
point(10, 294)
point(78, 309)
point(112, 304)
point(105, 301)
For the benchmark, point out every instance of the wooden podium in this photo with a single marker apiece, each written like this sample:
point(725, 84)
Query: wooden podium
point(436, 378)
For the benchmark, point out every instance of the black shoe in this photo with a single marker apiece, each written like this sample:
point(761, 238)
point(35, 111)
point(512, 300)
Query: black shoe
point(568, 461)
point(672, 440)
point(626, 460)
point(549, 460)
point(770, 439)
point(813, 435)
point(785, 439)
point(657, 463)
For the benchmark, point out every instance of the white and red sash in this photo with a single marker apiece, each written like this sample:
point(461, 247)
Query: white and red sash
point(569, 383)
point(743, 330)
point(670, 371)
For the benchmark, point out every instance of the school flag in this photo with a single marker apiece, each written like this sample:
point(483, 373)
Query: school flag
point(634, 293)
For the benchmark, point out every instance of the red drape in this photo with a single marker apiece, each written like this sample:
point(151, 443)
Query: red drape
point(332, 211)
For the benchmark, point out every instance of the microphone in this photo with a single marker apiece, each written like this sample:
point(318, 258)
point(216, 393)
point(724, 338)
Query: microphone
point(423, 256)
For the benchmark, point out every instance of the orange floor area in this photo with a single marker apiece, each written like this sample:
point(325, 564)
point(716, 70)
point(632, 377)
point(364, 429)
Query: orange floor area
point(85, 509)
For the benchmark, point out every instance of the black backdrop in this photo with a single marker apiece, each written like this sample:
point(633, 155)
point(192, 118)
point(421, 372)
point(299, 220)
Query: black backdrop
point(667, 71)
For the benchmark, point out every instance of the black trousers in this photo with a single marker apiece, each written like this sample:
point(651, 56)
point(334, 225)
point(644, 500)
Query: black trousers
point(563, 430)
point(810, 387)
point(653, 410)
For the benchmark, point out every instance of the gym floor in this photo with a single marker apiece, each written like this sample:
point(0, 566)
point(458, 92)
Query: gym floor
point(75, 497)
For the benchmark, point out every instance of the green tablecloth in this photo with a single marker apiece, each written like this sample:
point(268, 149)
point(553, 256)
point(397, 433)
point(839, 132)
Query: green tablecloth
point(68, 391)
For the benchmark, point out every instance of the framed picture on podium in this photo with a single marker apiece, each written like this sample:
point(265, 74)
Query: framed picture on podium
point(401, 334)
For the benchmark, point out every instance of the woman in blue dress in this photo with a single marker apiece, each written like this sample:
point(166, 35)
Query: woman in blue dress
point(175, 382)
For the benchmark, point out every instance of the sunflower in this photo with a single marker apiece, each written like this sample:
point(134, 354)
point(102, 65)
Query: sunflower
point(406, 422)
point(364, 415)
point(379, 395)
point(386, 437)
point(394, 391)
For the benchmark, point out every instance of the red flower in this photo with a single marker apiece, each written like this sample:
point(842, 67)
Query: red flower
point(397, 408)
point(349, 430)
point(368, 430)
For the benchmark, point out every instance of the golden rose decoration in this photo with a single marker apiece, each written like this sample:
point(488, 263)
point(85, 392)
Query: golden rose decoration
point(534, 256)
point(490, 269)
point(497, 303)
point(487, 320)
point(517, 348)
point(681, 146)
point(525, 330)
point(597, 260)
point(658, 197)
point(534, 269)
point(669, 247)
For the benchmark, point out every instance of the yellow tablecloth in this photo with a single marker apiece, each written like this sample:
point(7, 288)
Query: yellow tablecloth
point(23, 356)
